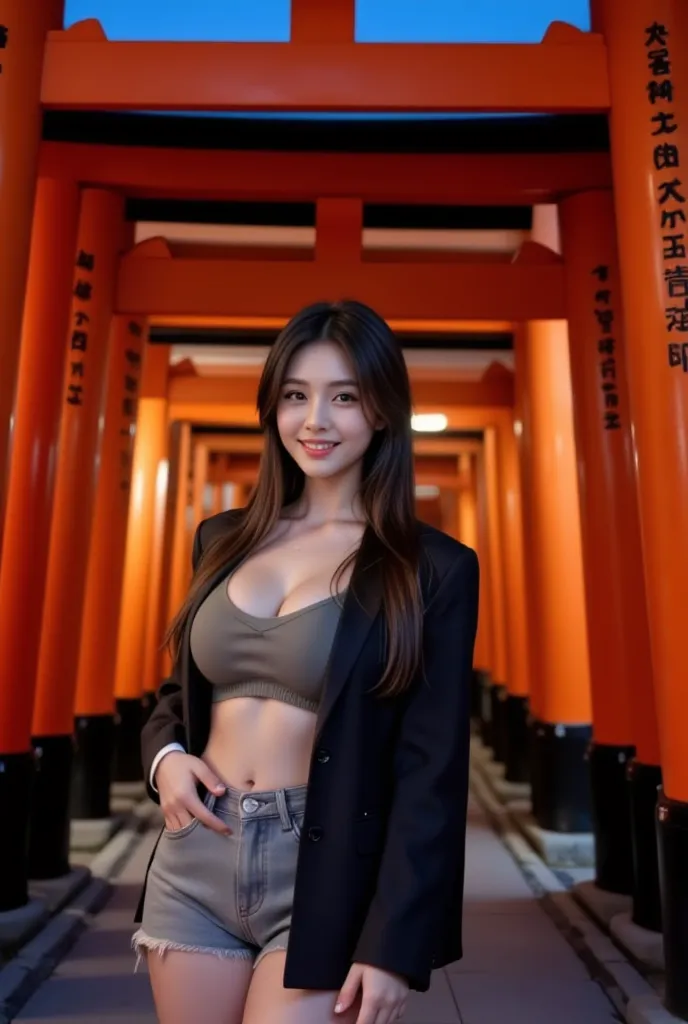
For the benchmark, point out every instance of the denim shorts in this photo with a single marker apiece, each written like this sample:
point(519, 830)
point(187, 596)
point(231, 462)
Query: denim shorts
point(227, 895)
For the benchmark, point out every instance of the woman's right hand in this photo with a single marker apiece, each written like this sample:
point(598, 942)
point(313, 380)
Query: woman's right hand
point(176, 777)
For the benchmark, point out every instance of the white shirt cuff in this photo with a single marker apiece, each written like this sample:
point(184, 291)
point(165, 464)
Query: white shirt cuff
point(158, 758)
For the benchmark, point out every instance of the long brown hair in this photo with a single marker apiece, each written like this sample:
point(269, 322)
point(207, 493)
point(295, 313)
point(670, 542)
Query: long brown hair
point(387, 488)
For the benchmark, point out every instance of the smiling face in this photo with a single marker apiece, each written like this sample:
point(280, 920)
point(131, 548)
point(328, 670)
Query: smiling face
point(320, 415)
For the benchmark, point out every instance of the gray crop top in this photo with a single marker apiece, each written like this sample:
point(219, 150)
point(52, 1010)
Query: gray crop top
point(283, 657)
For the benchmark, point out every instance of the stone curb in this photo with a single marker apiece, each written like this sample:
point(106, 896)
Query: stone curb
point(558, 851)
point(631, 994)
point(35, 961)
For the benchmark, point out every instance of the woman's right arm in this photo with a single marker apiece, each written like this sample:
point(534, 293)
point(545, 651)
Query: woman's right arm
point(171, 774)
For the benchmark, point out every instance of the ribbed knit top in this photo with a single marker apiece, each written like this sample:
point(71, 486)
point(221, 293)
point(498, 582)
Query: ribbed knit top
point(283, 656)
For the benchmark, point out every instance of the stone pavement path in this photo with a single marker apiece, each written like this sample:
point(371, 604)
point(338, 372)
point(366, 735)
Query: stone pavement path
point(517, 967)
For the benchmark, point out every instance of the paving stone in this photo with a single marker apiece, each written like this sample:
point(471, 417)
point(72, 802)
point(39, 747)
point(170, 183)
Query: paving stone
point(534, 999)
point(514, 944)
point(436, 1006)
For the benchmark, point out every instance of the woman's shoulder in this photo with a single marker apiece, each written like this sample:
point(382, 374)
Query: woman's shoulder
point(217, 525)
point(443, 556)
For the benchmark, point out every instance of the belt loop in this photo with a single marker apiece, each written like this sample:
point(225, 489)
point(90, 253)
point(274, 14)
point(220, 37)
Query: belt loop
point(285, 818)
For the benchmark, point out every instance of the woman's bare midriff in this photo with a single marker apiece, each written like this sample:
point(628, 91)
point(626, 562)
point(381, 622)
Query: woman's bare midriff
point(257, 743)
point(260, 744)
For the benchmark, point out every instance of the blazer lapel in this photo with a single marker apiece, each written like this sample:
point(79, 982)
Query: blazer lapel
point(361, 605)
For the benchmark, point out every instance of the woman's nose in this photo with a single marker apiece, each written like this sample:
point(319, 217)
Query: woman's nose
point(316, 418)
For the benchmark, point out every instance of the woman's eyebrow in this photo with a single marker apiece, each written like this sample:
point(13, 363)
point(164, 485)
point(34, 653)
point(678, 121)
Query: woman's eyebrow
point(332, 384)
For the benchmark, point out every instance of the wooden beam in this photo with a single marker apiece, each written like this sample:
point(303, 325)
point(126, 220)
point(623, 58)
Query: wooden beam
point(224, 414)
point(241, 390)
point(249, 444)
point(424, 325)
point(437, 178)
point(554, 76)
point(149, 286)
point(313, 21)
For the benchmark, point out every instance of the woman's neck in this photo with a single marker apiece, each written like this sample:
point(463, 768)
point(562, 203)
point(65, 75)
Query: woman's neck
point(324, 501)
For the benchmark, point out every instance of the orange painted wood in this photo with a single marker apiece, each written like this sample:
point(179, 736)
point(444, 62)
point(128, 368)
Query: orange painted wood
point(467, 532)
point(504, 178)
point(169, 287)
point(511, 525)
point(21, 62)
point(620, 666)
point(149, 448)
point(312, 21)
point(40, 395)
point(259, 253)
point(544, 77)
point(654, 306)
point(105, 569)
point(100, 239)
point(180, 564)
point(467, 524)
point(433, 328)
point(224, 414)
point(560, 677)
point(522, 424)
point(498, 617)
point(338, 231)
point(198, 482)
point(485, 640)
point(155, 624)
point(242, 389)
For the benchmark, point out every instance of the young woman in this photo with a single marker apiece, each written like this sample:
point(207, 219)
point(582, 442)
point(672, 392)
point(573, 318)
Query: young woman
point(310, 751)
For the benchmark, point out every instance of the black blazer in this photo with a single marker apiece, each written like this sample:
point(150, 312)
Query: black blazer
point(381, 857)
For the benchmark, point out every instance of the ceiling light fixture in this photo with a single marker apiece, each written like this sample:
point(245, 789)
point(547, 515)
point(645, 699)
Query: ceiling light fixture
point(429, 422)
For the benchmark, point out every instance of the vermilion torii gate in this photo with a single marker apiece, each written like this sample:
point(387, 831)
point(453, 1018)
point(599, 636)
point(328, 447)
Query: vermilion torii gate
point(603, 464)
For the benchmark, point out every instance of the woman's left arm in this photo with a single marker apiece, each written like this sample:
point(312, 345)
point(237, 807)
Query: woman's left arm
point(426, 827)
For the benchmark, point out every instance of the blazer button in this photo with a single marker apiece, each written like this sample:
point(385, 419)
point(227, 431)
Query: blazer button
point(315, 833)
point(323, 756)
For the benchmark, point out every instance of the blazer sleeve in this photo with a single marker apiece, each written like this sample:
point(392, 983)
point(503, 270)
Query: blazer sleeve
point(166, 723)
point(425, 837)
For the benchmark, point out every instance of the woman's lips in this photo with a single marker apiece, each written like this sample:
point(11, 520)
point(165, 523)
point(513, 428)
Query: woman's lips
point(318, 449)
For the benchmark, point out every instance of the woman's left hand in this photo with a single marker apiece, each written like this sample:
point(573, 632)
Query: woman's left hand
point(384, 994)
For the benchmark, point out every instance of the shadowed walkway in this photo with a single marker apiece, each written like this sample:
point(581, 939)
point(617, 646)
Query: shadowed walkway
point(517, 968)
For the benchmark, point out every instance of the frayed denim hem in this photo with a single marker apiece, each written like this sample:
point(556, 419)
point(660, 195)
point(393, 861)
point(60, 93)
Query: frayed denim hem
point(140, 941)
point(265, 952)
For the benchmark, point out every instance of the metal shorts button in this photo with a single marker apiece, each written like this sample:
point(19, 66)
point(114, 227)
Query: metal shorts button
point(323, 755)
point(250, 805)
point(315, 833)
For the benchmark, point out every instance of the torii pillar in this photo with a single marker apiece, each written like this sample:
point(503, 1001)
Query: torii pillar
point(140, 562)
point(624, 719)
point(99, 241)
point(22, 42)
point(558, 648)
point(649, 147)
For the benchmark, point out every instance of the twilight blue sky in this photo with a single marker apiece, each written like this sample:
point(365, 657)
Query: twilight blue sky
point(436, 21)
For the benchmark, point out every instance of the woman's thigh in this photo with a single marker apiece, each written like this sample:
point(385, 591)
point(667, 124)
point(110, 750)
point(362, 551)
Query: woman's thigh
point(268, 1002)
point(199, 986)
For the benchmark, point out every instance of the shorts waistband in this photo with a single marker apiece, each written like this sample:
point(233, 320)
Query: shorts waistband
point(264, 804)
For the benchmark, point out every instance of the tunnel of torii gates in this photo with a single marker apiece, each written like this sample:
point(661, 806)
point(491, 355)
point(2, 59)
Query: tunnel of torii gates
point(569, 476)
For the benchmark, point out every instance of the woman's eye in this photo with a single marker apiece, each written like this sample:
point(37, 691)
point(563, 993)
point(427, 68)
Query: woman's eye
point(298, 395)
point(345, 397)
